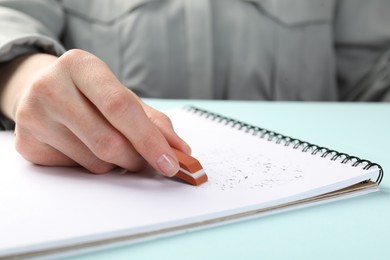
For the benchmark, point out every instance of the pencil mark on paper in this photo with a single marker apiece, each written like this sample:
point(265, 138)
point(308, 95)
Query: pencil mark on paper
point(254, 171)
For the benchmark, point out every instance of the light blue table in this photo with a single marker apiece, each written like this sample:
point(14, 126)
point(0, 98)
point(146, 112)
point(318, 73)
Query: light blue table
point(356, 228)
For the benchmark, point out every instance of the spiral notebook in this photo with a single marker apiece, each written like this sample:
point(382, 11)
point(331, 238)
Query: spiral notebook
point(252, 171)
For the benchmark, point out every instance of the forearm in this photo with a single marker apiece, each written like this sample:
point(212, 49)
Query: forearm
point(15, 78)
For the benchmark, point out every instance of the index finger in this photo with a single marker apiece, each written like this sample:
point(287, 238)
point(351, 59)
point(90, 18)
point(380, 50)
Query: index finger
point(121, 107)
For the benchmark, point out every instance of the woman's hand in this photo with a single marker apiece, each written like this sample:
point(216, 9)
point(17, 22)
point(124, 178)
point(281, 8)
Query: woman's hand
point(72, 110)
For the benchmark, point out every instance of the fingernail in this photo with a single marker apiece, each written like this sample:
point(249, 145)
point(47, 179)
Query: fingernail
point(167, 165)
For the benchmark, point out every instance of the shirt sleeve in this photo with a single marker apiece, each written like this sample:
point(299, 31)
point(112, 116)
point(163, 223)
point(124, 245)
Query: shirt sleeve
point(26, 27)
point(362, 38)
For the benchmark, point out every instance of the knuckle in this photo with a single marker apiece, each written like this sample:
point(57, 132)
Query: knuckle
point(30, 115)
point(42, 86)
point(115, 104)
point(26, 120)
point(164, 118)
point(23, 116)
point(75, 55)
point(30, 122)
point(148, 142)
point(108, 146)
point(76, 59)
point(160, 119)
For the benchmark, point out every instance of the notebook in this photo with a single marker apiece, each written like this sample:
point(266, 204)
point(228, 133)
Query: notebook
point(252, 172)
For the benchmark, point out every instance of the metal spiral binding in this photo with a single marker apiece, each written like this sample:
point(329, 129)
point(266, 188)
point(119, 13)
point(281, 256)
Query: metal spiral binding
point(295, 142)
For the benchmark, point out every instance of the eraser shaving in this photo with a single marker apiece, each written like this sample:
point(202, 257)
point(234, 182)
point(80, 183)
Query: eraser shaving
point(191, 170)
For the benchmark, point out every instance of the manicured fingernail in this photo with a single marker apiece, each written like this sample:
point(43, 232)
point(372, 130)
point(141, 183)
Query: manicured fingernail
point(167, 165)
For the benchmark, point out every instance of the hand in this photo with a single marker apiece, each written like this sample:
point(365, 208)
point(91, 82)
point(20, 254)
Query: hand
point(73, 110)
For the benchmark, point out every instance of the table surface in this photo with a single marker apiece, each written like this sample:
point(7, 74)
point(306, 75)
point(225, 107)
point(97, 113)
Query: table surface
point(357, 228)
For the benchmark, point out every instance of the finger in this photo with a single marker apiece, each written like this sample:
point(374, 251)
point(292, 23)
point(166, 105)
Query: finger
point(122, 109)
point(70, 145)
point(164, 124)
point(63, 140)
point(39, 153)
point(104, 141)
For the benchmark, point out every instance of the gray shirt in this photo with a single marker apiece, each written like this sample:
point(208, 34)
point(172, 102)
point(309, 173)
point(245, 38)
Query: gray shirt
point(314, 50)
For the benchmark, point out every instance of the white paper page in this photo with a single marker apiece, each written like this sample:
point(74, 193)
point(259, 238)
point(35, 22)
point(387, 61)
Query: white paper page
point(47, 206)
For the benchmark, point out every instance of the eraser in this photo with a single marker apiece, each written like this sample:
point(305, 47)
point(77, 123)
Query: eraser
point(191, 170)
